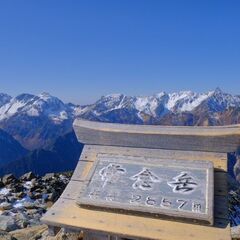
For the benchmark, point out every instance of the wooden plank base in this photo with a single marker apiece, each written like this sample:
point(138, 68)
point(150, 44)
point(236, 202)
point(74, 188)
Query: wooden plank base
point(66, 213)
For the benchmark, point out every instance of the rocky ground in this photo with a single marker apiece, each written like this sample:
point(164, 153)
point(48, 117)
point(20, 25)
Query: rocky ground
point(234, 212)
point(23, 201)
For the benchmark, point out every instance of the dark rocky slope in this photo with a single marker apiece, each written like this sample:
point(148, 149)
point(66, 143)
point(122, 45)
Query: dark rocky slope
point(10, 149)
point(63, 155)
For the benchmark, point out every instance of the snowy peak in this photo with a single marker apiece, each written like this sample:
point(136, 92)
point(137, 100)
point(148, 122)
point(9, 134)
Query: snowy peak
point(150, 104)
point(110, 102)
point(152, 109)
point(24, 97)
point(35, 106)
point(36, 120)
point(220, 101)
point(185, 101)
point(156, 106)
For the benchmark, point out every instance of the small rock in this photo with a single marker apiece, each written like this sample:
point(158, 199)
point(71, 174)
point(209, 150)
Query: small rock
point(32, 211)
point(33, 188)
point(9, 178)
point(20, 194)
point(48, 176)
point(27, 176)
point(29, 205)
point(22, 223)
point(235, 232)
point(7, 223)
point(17, 188)
point(34, 232)
point(1, 184)
point(2, 199)
point(52, 196)
point(11, 199)
point(63, 235)
point(37, 196)
point(22, 220)
point(6, 236)
point(5, 206)
point(41, 206)
point(38, 190)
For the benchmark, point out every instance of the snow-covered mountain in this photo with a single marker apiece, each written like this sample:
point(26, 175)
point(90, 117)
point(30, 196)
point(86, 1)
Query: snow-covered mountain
point(37, 121)
point(35, 106)
point(181, 108)
point(43, 123)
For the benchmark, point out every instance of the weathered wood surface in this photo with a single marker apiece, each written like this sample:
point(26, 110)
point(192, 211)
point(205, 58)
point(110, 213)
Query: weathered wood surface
point(213, 139)
point(151, 186)
point(66, 213)
point(220, 202)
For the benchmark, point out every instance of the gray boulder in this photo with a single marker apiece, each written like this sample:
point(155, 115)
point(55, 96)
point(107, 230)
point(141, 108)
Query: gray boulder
point(27, 176)
point(48, 176)
point(5, 206)
point(29, 205)
point(7, 223)
point(6, 236)
point(235, 231)
point(9, 178)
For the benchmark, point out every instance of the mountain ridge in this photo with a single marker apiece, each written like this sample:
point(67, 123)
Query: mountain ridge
point(42, 124)
point(164, 109)
point(36, 121)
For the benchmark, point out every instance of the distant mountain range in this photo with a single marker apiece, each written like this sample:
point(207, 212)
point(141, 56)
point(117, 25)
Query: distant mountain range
point(182, 108)
point(35, 121)
point(32, 126)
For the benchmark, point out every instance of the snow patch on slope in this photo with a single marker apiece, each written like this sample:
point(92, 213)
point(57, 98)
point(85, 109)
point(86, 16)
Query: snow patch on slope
point(147, 105)
point(35, 106)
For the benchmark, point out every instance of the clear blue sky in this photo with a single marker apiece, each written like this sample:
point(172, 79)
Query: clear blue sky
point(81, 50)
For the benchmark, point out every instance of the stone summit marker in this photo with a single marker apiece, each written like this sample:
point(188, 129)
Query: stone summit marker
point(157, 187)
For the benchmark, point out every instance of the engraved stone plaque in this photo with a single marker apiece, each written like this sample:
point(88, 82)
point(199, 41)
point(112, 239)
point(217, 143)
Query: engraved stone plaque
point(180, 189)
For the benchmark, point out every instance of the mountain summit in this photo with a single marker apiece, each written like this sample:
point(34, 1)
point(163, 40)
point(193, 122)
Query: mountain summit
point(180, 108)
point(38, 120)
point(35, 121)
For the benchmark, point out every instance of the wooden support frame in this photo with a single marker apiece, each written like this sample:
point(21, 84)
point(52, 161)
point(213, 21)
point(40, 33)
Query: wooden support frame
point(66, 213)
point(184, 143)
point(209, 139)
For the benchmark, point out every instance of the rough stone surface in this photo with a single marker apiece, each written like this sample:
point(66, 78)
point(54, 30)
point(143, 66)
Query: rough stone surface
point(5, 206)
point(27, 176)
point(62, 235)
point(235, 231)
point(34, 232)
point(9, 178)
point(6, 236)
point(7, 223)
point(48, 176)
point(24, 201)
point(36, 191)
point(1, 184)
